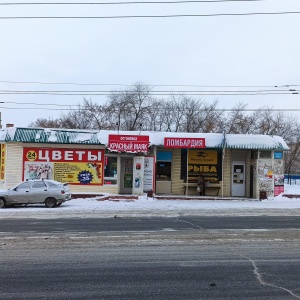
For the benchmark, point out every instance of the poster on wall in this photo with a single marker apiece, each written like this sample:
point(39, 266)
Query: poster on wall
point(79, 167)
point(206, 162)
point(278, 166)
point(138, 175)
point(149, 173)
point(265, 168)
point(3, 160)
point(278, 184)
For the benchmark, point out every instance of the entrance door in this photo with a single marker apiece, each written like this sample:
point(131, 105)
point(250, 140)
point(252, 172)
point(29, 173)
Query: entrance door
point(238, 179)
point(126, 177)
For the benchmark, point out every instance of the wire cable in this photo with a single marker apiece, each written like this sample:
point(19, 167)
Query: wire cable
point(150, 92)
point(157, 94)
point(156, 16)
point(124, 2)
point(149, 85)
point(41, 104)
point(163, 110)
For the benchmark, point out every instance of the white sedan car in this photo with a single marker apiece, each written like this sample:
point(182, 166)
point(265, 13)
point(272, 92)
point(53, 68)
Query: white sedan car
point(51, 193)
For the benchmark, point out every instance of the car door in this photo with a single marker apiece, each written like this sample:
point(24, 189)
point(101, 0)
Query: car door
point(20, 194)
point(39, 192)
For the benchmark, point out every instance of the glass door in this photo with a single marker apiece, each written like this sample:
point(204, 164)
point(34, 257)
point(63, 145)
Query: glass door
point(126, 178)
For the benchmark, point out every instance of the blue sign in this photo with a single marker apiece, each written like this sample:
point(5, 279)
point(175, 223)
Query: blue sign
point(278, 155)
point(85, 177)
point(164, 156)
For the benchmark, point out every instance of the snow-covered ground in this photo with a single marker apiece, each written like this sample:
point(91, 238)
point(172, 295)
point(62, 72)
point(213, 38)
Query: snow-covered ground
point(92, 207)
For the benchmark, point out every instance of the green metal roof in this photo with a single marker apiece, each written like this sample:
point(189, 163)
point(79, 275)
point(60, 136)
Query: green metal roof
point(101, 137)
point(41, 135)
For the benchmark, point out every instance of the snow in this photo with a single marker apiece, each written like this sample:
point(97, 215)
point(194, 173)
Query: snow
point(97, 207)
point(212, 140)
point(252, 141)
point(157, 138)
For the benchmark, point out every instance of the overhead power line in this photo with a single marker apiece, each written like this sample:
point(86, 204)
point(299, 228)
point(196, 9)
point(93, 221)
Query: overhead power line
point(41, 104)
point(154, 16)
point(124, 2)
point(150, 85)
point(150, 91)
point(158, 94)
point(162, 109)
point(36, 108)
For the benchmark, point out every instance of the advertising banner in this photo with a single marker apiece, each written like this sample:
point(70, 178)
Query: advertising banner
point(3, 160)
point(149, 173)
point(170, 142)
point(138, 175)
point(128, 143)
point(81, 166)
point(278, 184)
point(206, 162)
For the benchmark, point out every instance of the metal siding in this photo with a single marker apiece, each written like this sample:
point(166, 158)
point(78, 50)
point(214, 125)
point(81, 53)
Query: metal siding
point(13, 174)
point(177, 183)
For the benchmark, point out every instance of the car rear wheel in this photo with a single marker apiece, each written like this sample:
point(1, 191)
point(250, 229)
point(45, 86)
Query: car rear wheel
point(50, 202)
point(2, 203)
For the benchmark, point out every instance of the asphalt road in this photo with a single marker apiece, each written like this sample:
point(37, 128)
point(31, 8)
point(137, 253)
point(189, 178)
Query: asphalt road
point(115, 223)
point(150, 258)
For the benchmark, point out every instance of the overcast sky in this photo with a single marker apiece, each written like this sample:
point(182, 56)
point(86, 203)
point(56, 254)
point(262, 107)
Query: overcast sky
point(224, 51)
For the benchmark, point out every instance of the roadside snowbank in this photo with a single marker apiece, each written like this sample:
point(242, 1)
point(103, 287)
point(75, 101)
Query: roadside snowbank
point(91, 207)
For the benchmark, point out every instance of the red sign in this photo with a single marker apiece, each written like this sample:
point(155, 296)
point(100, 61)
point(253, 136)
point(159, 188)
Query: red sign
point(62, 155)
point(184, 142)
point(278, 190)
point(128, 143)
point(75, 166)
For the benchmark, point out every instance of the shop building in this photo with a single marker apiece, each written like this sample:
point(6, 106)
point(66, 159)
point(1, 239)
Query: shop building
point(233, 165)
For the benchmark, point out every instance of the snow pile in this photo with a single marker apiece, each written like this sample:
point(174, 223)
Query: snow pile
point(97, 207)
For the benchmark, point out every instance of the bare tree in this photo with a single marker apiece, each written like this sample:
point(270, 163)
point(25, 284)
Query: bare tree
point(210, 118)
point(131, 108)
point(46, 123)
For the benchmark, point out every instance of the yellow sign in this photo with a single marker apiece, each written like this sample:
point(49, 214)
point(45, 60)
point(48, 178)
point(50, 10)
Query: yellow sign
point(85, 173)
point(2, 162)
point(202, 157)
point(31, 155)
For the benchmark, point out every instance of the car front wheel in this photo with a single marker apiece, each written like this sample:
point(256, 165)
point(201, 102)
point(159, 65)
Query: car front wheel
point(50, 202)
point(2, 203)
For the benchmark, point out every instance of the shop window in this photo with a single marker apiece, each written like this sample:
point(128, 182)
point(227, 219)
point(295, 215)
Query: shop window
point(163, 171)
point(110, 170)
point(265, 154)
